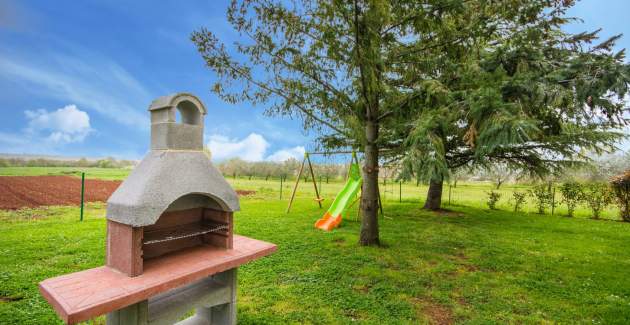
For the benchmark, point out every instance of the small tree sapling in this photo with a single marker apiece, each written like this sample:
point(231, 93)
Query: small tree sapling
point(572, 194)
point(598, 196)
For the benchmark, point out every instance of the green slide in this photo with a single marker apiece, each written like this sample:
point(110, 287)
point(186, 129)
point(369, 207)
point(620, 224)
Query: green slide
point(333, 216)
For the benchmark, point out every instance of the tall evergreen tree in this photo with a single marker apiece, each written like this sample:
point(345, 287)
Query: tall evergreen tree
point(527, 95)
point(335, 64)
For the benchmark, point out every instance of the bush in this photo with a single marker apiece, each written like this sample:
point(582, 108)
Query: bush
point(519, 200)
point(598, 196)
point(493, 198)
point(621, 190)
point(542, 197)
point(572, 194)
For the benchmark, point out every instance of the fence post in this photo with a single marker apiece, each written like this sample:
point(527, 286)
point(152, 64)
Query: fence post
point(449, 193)
point(553, 199)
point(400, 191)
point(280, 187)
point(82, 192)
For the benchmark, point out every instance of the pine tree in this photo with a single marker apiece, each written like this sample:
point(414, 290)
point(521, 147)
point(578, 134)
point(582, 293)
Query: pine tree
point(527, 95)
point(335, 64)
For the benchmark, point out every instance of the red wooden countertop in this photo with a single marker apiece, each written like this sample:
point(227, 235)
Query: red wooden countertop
point(86, 294)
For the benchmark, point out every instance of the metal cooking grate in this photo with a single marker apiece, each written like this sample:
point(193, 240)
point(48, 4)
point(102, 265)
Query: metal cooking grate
point(186, 232)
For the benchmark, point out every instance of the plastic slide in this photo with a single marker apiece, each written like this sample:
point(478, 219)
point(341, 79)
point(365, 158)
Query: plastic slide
point(339, 207)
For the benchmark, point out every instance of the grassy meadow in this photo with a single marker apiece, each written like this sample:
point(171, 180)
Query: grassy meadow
point(471, 194)
point(466, 265)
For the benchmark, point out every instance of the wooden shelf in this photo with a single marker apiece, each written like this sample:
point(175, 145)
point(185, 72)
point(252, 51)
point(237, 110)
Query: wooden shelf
point(80, 296)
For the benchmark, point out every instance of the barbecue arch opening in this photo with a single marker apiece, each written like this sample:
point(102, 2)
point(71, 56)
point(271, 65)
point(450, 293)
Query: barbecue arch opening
point(191, 220)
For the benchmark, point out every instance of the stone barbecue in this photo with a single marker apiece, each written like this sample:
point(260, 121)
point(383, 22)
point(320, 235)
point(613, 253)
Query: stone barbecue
point(170, 242)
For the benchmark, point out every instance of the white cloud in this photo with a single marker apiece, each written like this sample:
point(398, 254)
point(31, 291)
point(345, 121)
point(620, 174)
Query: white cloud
point(100, 85)
point(284, 154)
point(251, 148)
point(67, 124)
point(48, 132)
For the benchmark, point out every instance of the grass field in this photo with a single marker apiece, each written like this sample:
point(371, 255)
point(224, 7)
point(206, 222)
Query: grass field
point(469, 265)
point(473, 194)
point(90, 172)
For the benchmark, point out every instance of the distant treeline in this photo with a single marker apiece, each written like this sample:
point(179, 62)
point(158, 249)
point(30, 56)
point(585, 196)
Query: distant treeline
point(43, 162)
point(601, 170)
point(237, 168)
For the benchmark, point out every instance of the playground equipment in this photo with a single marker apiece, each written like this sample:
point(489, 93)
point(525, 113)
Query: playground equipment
point(306, 159)
point(332, 218)
point(170, 242)
point(343, 200)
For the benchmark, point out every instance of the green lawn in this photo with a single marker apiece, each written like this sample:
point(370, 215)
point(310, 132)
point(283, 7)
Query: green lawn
point(90, 172)
point(472, 194)
point(467, 266)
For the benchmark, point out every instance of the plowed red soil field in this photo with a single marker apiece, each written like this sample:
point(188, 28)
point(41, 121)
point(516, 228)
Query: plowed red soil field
point(33, 191)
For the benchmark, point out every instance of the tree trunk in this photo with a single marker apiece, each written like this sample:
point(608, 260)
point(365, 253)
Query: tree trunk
point(369, 192)
point(434, 195)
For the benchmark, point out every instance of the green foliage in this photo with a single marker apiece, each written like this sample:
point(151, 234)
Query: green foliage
point(325, 62)
point(598, 196)
point(493, 198)
point(542, 195)
point(44, 162)
point(572, 194)
point(621, 189)
point(518, 95)
point(519, 200)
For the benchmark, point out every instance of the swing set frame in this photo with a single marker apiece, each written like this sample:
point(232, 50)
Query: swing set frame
point(318, 198)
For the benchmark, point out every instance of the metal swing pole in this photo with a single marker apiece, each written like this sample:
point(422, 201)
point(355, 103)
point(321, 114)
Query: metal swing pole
point(310, 167)
point(297, 181)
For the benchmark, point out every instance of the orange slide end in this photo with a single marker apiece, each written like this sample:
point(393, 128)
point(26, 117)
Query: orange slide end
point(328, 222)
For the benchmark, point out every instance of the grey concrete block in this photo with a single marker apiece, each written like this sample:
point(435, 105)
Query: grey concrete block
point(196, 319)
point(169, 307)
point(164, 115)
point(136, 314)
point(174, 100)
point(224, 314)
point(176, 136)
point(160, 179)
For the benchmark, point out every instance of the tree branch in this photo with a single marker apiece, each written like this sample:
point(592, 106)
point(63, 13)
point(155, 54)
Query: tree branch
point(281, 94)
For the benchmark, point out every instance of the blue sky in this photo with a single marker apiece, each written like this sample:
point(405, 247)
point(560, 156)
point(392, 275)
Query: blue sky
point(76, 77)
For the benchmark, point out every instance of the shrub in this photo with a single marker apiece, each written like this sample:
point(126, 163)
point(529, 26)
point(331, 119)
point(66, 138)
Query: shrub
point(621, 190)
point(493, 198)
point(542, 197)
point(572, 194)
point(598, 196)
point(519, 200)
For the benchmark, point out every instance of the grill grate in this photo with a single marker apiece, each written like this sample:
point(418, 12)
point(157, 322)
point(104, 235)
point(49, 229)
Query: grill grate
point(187, 232)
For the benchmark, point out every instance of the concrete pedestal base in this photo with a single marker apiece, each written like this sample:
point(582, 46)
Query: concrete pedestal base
point(213, 298)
